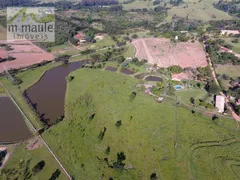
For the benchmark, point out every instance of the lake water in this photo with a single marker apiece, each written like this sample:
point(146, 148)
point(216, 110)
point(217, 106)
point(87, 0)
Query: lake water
point(49, 92)
point(154, 78)
point(12, 125)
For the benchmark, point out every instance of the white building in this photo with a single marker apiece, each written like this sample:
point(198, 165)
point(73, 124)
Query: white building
point(220, 102)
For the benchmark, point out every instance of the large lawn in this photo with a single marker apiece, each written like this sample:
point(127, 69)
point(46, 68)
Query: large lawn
point(161, 138)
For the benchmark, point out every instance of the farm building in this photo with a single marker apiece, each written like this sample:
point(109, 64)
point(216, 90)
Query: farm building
point(224, 49)
point(79, 36)
point(220, 102)
point(228, 32)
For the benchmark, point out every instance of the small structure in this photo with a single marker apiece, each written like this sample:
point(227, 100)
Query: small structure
point(224, 49)
point(176, 37)
point(159, 99)
point(220, 102)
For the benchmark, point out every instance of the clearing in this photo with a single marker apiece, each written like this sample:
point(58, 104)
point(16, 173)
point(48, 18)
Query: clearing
point(164, 53)
point(26, 54)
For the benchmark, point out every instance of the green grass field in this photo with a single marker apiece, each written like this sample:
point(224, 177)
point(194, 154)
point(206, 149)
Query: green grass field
point(230, 70)
point(161, 138)
point(186, 94)
point(22, 161)
point(199, 10)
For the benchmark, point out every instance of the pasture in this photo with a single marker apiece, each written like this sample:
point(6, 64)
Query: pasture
point(22, 161)
point(155, 138)
point(230, 70)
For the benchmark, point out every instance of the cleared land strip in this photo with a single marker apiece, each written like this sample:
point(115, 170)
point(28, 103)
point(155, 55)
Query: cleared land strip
point(35, 131)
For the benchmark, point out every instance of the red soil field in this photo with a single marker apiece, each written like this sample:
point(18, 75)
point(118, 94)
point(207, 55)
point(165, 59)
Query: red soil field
point(26, 54)
point(164, 53)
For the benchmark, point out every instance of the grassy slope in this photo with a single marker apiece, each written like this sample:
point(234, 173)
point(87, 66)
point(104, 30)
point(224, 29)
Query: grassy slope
point(157, 138)
point(20, 154)
point(199, 10)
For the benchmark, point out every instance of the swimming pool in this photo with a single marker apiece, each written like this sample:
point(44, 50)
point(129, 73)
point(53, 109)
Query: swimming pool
point(178, 87)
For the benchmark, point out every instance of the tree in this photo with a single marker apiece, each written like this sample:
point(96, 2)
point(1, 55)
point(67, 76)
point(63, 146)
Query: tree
point(192, 100)
point(118, 123)
point(134, 36)
point(55, 175)
point(107, 151)
point(160, 85)
point(212, 87)
point(38, 167)
point(132, 96)
point(153, 176)
point(70, 78)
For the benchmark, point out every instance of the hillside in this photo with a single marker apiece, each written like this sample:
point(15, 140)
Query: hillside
point(102, 120)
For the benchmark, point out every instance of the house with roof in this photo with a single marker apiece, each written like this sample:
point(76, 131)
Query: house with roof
point(220, 103)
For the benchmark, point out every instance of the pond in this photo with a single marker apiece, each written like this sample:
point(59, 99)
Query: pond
point(140, 76)
point(126, 71)
point(154, 78)
point(12, 124)
point(109, 68)
point(48, 94)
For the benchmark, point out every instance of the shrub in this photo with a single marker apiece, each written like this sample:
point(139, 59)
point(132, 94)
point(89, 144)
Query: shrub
point(38, 167)
point(118, 123)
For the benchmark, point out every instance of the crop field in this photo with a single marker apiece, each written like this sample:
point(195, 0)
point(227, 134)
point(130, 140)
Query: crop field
point(230, 70)
point(25, 53)
point(165, 54)
point(155, 138)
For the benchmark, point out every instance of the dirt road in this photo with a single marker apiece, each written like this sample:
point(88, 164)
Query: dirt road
point(229, 106)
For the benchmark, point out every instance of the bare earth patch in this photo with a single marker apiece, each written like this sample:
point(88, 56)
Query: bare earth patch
point(164, 53)
point(34, 143)
point(26, 54)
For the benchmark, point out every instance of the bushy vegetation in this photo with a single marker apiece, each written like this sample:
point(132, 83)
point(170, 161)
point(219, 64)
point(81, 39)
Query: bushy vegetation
point(218, 57)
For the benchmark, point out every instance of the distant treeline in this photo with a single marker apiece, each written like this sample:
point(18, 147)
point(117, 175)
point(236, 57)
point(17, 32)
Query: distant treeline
point(11, 3)
point(99, 2)
point(58, 5)
point(230, 7)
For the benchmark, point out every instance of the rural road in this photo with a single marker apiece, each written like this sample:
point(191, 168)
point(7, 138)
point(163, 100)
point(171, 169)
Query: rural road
point(229, 106)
